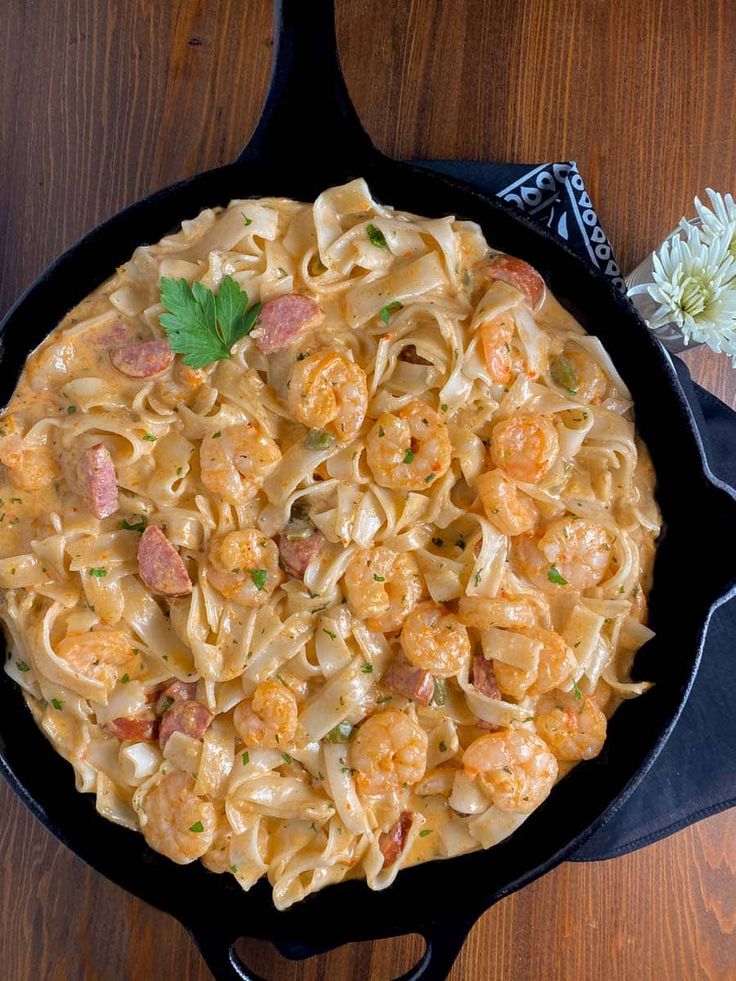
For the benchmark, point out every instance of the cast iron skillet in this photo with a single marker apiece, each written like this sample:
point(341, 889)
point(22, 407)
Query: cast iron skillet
point(308, 138)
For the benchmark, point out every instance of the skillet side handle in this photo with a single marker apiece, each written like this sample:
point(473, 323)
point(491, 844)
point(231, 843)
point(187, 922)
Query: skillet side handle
point(444, 943)
point(220, 956)
point(720, 565)
point(308, 118)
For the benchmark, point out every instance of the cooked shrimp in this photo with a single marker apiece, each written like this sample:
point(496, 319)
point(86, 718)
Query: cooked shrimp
point(435, 640)
point(573, 729)
point(235, 462)
point(328, 391)
point(97, 654)
point(579, 549)
point(483, 612)
point(555, 666)
point(269, 719)
point(409, 450)
point(591, 381)
point(182, 384)
point(179, 824)
point(389, 752)
point(217, 859)
point(525, 447)
point(30, 465)
point(514, 768)
point(502, 360)
point(383, 587)
point(506, 507)
point(244, 566)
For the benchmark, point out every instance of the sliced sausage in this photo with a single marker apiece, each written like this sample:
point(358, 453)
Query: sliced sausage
point(133, 729)
point(483, 677)
point(295, 554)
point(414, 683)
point(188, 717)
point(98, 484)
point(144, 359)
point(392, 842)
point(518, 274)
point(179, 691)
point(285, 318)
point(162, 695)
point(160, 566)
point(409, 354)
point(114, 334)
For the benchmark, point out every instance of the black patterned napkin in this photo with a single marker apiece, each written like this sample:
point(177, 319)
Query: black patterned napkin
point(694, 776)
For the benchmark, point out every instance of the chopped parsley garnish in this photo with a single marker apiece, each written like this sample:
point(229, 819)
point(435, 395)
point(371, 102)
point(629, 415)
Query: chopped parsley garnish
point(383, 699)
point(318, 439)
point(216, 435)
point(330, 633)
point(150, 437)
point(138, 525)
point(477, 578)
point(377, 578)
point(381, 431)
point(439, 695)
point(234, 869)
point(424, 832)
point(246, 758)
point(57, 703)
point(409, 456)
point(259, 577)
point(22, 666)
point(281, 272)
point(554, 576)
point(286, 758)
point(98, 573)
point(429, 478)
point(367, 669)
point(71, 409)
point(125, 679)
point(164, 704)
point(376, 237)
point(246, 220)
point(201, 326)
point(179, 471)
point(197, 827)
point(390, 308)
point(342, 733)
point(576, 692)
point(563, 374)
point(444, 407)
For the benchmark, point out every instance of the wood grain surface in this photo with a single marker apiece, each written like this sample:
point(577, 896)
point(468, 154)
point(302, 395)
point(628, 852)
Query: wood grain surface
point(101, 102)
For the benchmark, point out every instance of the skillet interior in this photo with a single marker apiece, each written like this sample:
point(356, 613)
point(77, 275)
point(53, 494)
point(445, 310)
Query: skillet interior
point(689, 574)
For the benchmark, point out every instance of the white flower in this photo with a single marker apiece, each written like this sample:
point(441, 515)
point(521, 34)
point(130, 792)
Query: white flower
point(695, 288)
point(719, 222)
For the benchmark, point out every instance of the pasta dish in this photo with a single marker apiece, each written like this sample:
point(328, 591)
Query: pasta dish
point(325, 541)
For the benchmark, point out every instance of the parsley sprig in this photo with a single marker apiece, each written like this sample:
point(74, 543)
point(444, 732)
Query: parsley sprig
point(203, 327)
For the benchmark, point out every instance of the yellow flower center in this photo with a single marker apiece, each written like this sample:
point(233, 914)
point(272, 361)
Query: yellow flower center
point(695, 296)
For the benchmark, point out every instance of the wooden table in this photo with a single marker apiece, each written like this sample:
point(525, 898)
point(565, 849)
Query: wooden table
point(103, 102)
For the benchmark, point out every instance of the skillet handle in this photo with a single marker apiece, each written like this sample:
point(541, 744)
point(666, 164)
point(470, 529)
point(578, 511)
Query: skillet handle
point(444, 943)
point(720, 565)
point(308, 119)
